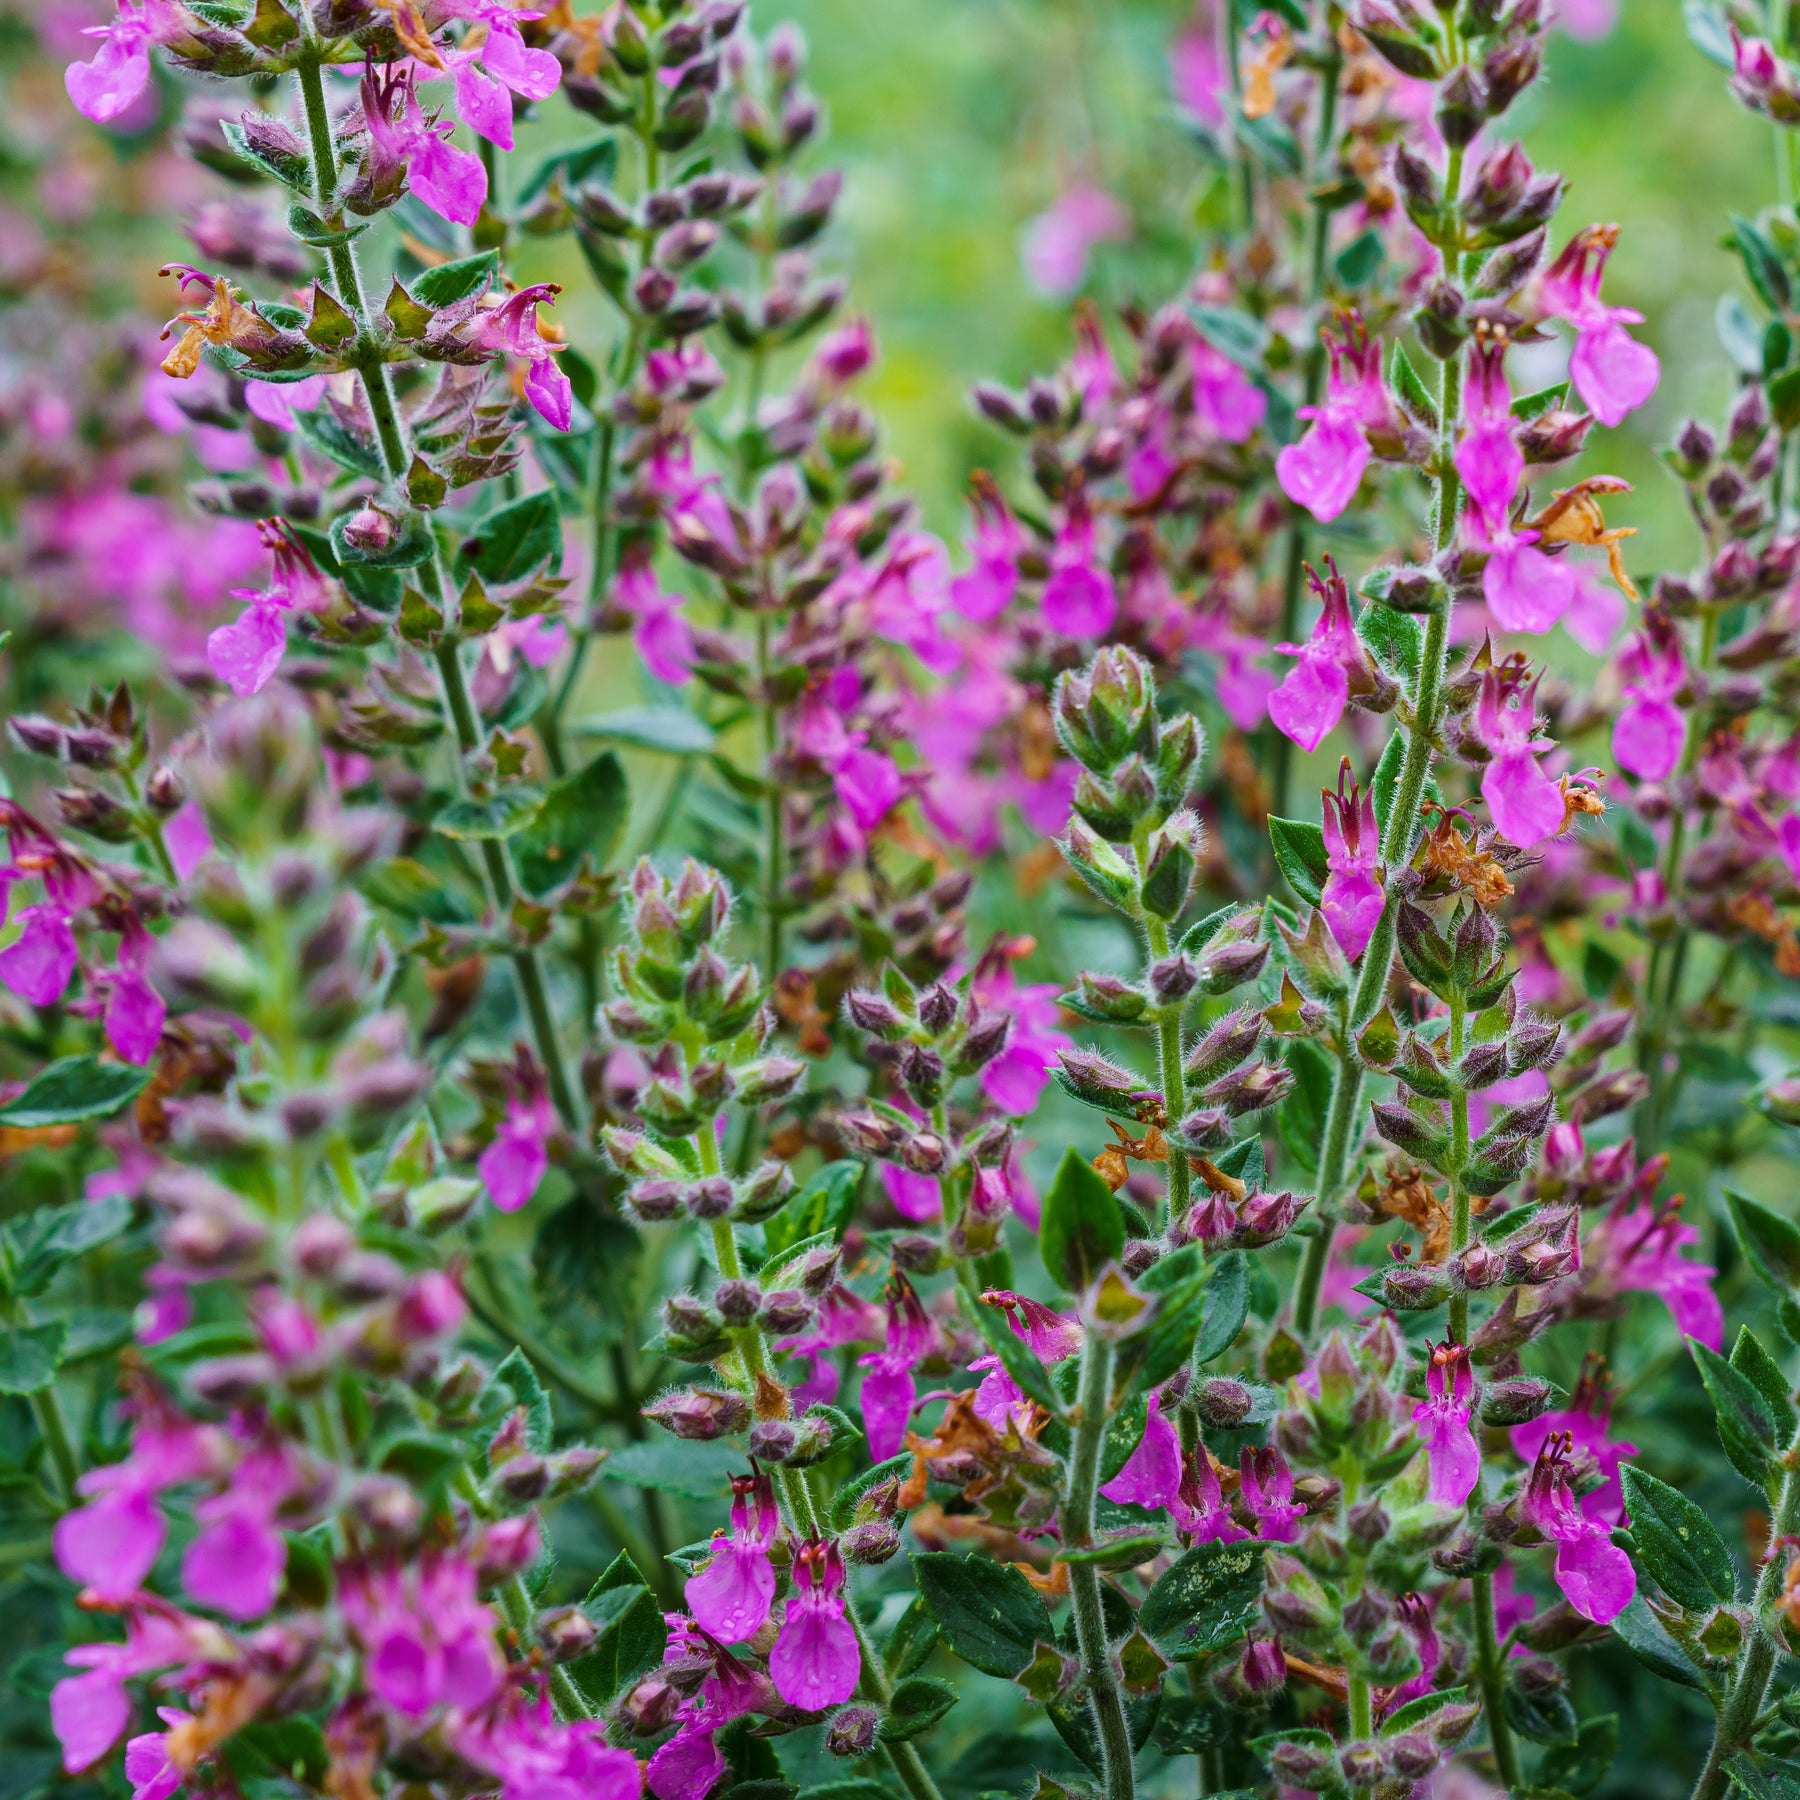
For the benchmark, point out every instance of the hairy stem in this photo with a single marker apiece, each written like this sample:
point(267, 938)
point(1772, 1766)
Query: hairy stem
point(1344, 1109)
point(1459, 1157)
point(1169, 1048)
point(1744, 1698)
point(1490, 1679)
point(1104, 1698)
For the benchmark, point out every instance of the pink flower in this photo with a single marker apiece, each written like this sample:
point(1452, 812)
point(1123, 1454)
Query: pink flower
point(730, 1597)
point(662, 635)
point(1080, 599)
point(1049, 1336)
point(1267, 1484)
point(1596, 1577)
point(503, 61)
point(134, 1009)
point(890, 1389)
point(1611, 370)
point(1525, 589)
point(518, 1158)
point(147, 1766)
point(987, 588)
point(90, 1712)
point(427, 1641)
point(1197, 74)
point(38, 964)
point(816, 1662)
point(1151, 1475)
point(1640, 1249)
point(868, 786)
point(1353, 897)
point(1487, 458)
point(1226, 401)
point(1650, 729)
point(1313, 694)
point(1526, 805)
point(689, 1765)
point(451, 182)
point(1585, 1421)
point(1015, 1078)
point(512, 329)
point(1322, 471)
point(1595, 613)
point(1058, 242)
point(1443, 1421)
point(245, 654)
point(119, 70)
point(1200, 1508)
point(1587, 19)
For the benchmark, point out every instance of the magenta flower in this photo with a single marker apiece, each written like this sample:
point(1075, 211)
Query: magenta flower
point(275, 402)
point(1596, 1577)
point(689, 1765)
point(999, 1400)
point(1058, 242)
point(1443, 1421)
point(662, 635)
point(518, 1157)
point(1525, 804)
point(134, 1009)
point(1322, 471)
point(1353, 896)
point(1226, 401)
point(816, 1662)
point(1586, 1422)
point(843, 1318)
point(985, 590)
point(1487, 458)
point(1200, 1508)
point(39, 963)
point(730, 1597)
point(451, 182)
point(1587, 19)
point(1650, 729)
point(1151, 1475)
point(1049, 1336)
point(501, 62)
point(1525, 589)
point(1267, 1484)
point(890, 1389)
point(1015, 1078)
point(1197, 74)
point(1080, 599)
point(90, 1712)
point(868, 786)
point(513, 329)
point(153, 1776)
point(1313, 694)
point(234, 1564)
point(119, 70)
point(427, 1641)
point(1611, 370)
point(1641, 1249)
point(245, 654)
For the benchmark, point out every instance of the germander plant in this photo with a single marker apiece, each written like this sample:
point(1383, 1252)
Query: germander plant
point(970, 1240)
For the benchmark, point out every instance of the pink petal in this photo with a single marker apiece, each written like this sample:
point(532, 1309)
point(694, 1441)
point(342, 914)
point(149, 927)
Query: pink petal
point(451, 182)
point(247, 652)
point(1310, 701)
point(1151, 1475)
point(731, 1596)
point(1525, 804)
point(1322, 471)
point(235, 1567)
point(815, 1662)
point(1612, 371)
point(89, 1714)
point(1596, 1577)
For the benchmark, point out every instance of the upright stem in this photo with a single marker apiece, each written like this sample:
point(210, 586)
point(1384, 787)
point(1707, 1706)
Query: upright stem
point(1744, 1698)
point(1490, 1679)
point(1104, 1698)
point(1459, 1156)
point(1169, 1048)
point(1397, 841)
point(774, 849)
point(53, 1428)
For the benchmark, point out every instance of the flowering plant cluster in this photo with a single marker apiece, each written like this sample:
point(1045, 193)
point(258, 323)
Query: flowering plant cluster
point(903, 1214)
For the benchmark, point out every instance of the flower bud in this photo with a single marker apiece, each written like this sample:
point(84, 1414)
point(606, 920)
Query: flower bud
point(700, 1412)
point(772, 1440)
point(871, 1543)
point(566, 1633)
point(852, 1731)
point(1222, 1402)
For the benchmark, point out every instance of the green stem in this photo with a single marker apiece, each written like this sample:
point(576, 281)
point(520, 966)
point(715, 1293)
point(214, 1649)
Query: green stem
point(1459, 1157)
point(1169, 1046)
point(53, 1427)
point(1104, 1697)
point(774, 850)
point(1744, 1698)
point(1490, 1679)
point(1341, 1113)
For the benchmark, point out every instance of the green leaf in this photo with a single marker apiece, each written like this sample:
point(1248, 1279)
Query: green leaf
point(1227, 1307)
point(1762, 264)
point(1207, 1599)
point(698, 1471)
point(1771, 1243)
point(1760, 1779)
point(1642, 1633)
point(1708, 32)
point(1409, 389)
point(849, 1497)
point(665, 728)
point(504, 815)
point(406, 886)
point(597, 161)
point(1745, 1429)
point(1580, 1767)
point(518, 1376)
point(73, 1090)
point(583, 813)
point(411, 545)
point(1784, 398)
point(918, 1703)
point(584, 1266)
point(1300, 1114)
point(54, 1235)
point(1531, 406)
point(1233, 333)
point(1179, 1282)
point(1415, 1712)
point(1083, 1229)
point(1764, 1374)
point(632, 1633)
point(514, 542)
point(333, 439)
point(1394, 640)
point(1360, 260)
point(1739, 333)
point(822, 1208)
point(30, 1355)
point(914, 1637)
point(453, 281)
point(1677, 1543)
point(1546, 1717)
point(1299, 847)
point(990, 1615)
